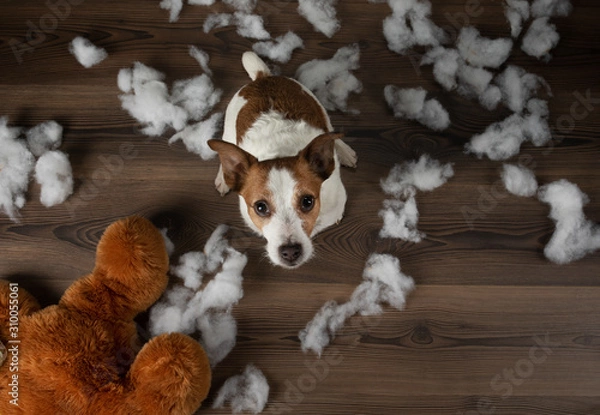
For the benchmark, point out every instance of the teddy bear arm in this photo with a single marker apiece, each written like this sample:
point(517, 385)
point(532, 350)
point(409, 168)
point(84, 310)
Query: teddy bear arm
point(170, 375)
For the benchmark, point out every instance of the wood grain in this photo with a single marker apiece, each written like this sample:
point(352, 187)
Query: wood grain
point(468, 341)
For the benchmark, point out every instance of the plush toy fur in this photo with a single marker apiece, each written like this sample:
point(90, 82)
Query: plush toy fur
point(83, 356)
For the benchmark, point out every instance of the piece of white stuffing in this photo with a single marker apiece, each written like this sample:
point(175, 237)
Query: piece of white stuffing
point(400, 215)
point(425, 174)
point(551, 8)
point(518, 86)
point(410, 25)
point(192, 308)
point(410, 103)
point(174, 7)
point(248, 391)
point(540, 38)
point(169, 245)
point(195, 136)
point(242, 5)
point(445, 65)
point(44, 137)
point(503, 139)
point(383, 283)
point(475, 83)
point(16, 165)
point(516, 12)
point(201, 2)
point(148, 100)
point(480, 51)
point(331, 80)
point(248, 25)
point(281, 48)
point(217, 21)
point(519, 180)
point(197, 96)
point(54, 174)
point(321, 14)
point(86, 53)
point(400, 218)
point(202, 58)
point(574, 236)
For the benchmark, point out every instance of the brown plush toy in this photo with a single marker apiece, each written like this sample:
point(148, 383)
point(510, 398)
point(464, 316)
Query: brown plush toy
point(83, 356)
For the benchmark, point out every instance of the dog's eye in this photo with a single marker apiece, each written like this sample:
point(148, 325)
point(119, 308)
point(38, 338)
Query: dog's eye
point(262, 208)
point(307, 203)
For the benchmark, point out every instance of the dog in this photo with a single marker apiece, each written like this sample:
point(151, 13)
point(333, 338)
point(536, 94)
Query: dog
point(280, 154)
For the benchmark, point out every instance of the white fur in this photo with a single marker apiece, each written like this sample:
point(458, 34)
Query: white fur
point(274, 136)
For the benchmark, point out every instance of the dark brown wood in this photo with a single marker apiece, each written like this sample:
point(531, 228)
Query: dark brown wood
point(469, 339)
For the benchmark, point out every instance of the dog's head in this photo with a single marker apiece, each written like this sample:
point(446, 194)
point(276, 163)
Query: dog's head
point(280, 198)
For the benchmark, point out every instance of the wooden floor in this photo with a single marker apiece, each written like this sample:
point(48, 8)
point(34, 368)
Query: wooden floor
point(492, 328)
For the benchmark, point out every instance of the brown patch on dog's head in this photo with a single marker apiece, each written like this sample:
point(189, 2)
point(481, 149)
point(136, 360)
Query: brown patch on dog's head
point(235, 162)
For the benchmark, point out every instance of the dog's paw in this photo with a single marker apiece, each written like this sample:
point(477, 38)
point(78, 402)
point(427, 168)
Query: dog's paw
point(347, 156)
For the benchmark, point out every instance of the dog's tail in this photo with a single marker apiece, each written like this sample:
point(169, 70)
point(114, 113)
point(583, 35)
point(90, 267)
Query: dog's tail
point(254, 65)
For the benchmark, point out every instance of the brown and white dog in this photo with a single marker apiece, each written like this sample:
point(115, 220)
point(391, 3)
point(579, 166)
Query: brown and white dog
point(280, 154)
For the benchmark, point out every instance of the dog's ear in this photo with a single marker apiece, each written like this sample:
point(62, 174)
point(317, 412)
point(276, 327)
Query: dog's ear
point(320, 154)
point(234, 161)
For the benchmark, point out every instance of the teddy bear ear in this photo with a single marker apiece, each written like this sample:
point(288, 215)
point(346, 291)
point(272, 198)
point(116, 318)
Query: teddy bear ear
point(132, 262)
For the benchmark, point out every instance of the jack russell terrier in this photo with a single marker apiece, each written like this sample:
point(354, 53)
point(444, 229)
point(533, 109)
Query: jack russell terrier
point(280, 154)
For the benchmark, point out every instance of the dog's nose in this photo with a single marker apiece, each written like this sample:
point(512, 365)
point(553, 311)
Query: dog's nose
point(290, 253)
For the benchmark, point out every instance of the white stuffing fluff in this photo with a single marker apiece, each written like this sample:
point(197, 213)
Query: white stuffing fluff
point(410, 103)
point(516, 12)
point(575, 236)
point(279, 50)
point(425, 174)
point(54, 174)
point(400, 218)
point(148, 100)
point(202, 58)
point(383, 282)
point(197, 96)
point(518, 86)
point(195, 136)
point(503, 139)
point(16, 165)
point(400, 215)
point(331, 80)
point(217, 21)
point(540, 38)
point(44, 137)
point(453, 73)
point(480, 51)
point(246, 392)
point(445, 65)
point(321, 14)
point(475, 82)
point(248, 25)
point(201, 2)
point(519, 180)
point(86, 53)
point(242, 5)
point(169, 245)
point(410, 25)
point(551, 8)
point(174, 7)
point(187, 308)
